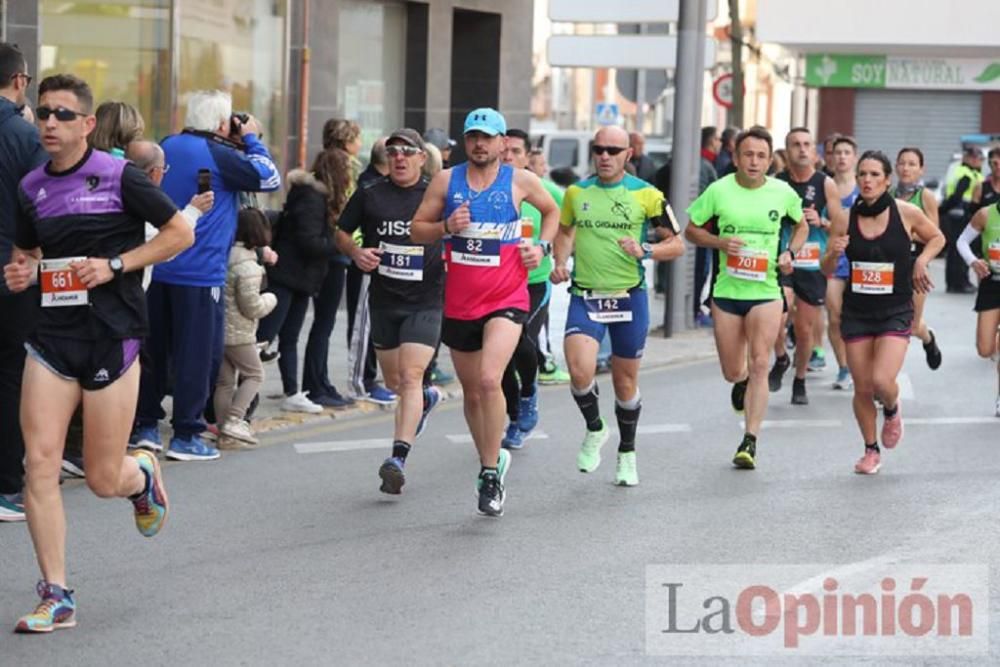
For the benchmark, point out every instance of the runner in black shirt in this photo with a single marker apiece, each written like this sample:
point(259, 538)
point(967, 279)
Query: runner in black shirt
point(878, 304)
point(80, 233)
point(406, 289)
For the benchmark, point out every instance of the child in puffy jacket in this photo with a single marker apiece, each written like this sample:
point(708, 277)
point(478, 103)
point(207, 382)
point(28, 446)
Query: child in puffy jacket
point(245, 305)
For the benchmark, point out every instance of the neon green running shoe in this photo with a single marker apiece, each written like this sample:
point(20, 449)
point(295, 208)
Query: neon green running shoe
point(626, 473)
point(590, 451)
point(746, 454)
point(151, 507)
point(555, 376)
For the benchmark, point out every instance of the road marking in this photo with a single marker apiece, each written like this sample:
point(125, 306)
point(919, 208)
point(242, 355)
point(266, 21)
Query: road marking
point(342, 445)
point(796, 423)
point(944, 421)
point(466, 438)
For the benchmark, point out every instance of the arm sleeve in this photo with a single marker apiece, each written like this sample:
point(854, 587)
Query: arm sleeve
point(144, 200)
point(253, 171)
point(566, 211)
point(702, 209)
point(969, 234)
point(25, 233)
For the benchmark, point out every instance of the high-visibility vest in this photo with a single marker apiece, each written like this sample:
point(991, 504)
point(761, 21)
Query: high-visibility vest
point(963, 170)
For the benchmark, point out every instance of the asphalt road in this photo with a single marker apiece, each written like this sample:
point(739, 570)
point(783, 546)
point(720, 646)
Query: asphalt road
point(290, 554)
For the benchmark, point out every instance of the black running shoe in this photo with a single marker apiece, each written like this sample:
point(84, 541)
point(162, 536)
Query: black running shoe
point(491, 494)
point(738, 395)
point(799, 392)
point(746, 454)
point(933, 352)
point(781, 366)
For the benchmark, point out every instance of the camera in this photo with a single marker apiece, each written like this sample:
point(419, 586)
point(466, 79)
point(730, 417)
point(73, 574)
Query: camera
point(235, 122)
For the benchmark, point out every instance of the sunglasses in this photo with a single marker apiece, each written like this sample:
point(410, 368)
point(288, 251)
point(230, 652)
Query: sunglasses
point(61, 113)
point(27, 77)
point(408, 151)
point(610, 150)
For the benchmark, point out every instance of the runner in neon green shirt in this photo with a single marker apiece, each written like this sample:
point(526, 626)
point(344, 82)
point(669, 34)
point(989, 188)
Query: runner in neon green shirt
point(746, 209)
point(604, 223)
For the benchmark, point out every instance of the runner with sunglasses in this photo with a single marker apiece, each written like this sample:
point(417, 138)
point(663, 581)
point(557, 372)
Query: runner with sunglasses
point(405, 297)
point(80, 235)
point(476, 205)
point(604, 226)
point(747, 208)
point(878, 303)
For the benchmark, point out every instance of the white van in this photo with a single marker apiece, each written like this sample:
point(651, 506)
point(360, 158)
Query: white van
point(571, 148)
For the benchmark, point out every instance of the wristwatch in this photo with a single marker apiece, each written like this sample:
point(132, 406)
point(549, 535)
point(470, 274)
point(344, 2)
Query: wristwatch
point(117, 265)
point(647, 250)
point(546, 247)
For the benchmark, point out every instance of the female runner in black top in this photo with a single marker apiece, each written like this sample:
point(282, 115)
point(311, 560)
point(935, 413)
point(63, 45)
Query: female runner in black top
point(878, 302)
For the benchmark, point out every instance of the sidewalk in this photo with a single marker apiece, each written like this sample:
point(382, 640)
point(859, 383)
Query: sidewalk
point(686, 346)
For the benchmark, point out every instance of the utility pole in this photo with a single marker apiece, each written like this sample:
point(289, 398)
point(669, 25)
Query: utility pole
point(690, 75)
point(736, 39)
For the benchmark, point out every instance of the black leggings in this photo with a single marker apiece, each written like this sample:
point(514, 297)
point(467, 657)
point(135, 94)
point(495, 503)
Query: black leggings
point(523, 365)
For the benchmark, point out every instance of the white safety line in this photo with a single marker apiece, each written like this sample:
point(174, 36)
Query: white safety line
point(944, 421)
point(466, 438)
point(342, 445)
point(796, 423)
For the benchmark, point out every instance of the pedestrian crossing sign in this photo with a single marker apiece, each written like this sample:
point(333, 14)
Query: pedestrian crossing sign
point(607, 113)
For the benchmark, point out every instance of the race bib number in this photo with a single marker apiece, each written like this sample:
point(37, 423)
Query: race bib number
point(402, 262)
point(993, 253)
point(60, 286)
point(477, 246)
point(608, 307)
point(808, 257)
point(872, 277)
point(748, 264)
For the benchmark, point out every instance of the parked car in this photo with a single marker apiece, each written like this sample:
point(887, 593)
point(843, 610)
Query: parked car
point(571, 149)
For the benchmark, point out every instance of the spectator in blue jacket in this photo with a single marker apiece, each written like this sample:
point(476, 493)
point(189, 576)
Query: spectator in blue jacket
point(186, 309)
point(20, 152)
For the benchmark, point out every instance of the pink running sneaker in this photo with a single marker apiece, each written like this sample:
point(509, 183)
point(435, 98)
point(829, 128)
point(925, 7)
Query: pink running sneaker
point(869, 463)
point(892, 428)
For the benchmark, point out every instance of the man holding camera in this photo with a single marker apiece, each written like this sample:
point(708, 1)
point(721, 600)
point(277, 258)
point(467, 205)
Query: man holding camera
point(186, 309)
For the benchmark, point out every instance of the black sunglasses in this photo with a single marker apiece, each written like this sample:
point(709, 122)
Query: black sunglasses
point(610, 150)
point(408, 151)
point(61, 113)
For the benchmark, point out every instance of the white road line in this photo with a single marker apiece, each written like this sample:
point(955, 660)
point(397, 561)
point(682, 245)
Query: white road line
point(342, 445)
point(944, 421)
point(796, 423)
point(466, 438)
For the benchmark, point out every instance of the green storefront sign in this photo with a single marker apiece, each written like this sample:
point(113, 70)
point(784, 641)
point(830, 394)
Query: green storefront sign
point(827, 70)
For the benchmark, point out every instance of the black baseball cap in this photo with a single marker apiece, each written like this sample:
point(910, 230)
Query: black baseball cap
point(408, 137)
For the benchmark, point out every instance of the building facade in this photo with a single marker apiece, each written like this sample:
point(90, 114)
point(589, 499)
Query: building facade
point(292, 63)
point(896, 73)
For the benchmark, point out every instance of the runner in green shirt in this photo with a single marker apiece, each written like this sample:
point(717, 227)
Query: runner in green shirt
point(746, 210)
point(604, 223)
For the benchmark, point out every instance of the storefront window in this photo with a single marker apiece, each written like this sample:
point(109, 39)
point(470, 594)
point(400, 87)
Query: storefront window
point(370, 66)
point(237, 46)
point(120, 47)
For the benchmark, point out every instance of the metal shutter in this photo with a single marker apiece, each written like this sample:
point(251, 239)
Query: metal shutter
point(932, 121)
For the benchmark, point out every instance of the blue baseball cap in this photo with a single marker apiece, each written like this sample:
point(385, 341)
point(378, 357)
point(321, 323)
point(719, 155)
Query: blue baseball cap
point(485, 120)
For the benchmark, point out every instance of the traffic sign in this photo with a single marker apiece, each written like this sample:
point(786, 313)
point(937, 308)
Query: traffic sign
point(607, 113)
point(622, 51)
point(633, 11)
point(722, 91)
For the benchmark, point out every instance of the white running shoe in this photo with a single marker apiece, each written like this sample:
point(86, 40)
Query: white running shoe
point(300, 403)
point(238, 429)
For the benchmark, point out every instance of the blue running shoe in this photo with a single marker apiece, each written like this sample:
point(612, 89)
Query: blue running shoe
point(392, 476)
point(381, 395)
point(56, 610)
point(191, 449)
point(527, 412)
point(514, 438)
point(151, 506)
point(432, 396)
point(146, 437)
